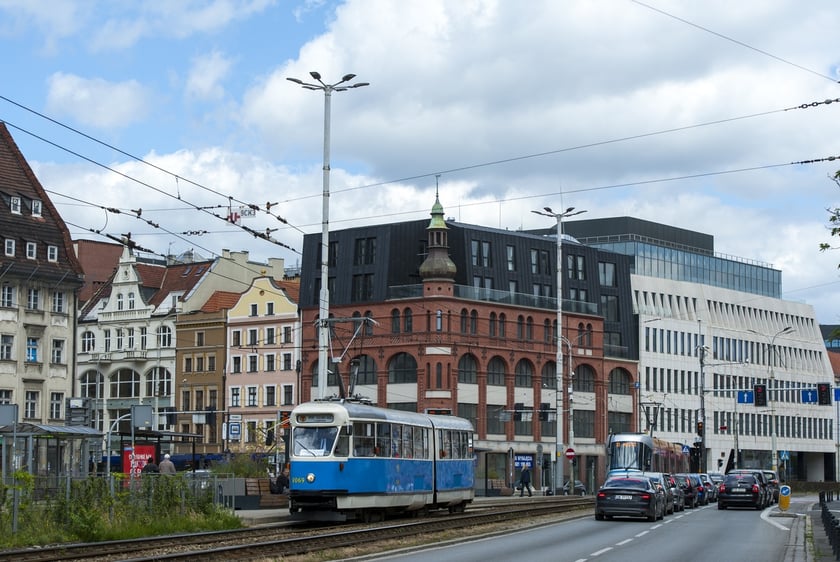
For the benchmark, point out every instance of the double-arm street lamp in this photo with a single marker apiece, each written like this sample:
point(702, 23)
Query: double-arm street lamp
point(324, 296)
point(558, 441)
point(771, 341)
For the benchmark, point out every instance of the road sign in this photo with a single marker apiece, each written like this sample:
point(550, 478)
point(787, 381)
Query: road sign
point(235, 430)
point(686, 449)
point(784, 497)
point(809, 396)
point(784, 456)
point(745, 397)
point(570, 453)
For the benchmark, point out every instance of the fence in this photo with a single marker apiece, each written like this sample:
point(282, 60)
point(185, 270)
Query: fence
point(830, 523)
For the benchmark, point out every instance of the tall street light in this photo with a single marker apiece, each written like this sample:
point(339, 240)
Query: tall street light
point(558, 441)
point(771, 341)
point(324, 297)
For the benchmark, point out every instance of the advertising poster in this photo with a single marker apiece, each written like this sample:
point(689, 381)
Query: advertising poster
point(135, 459)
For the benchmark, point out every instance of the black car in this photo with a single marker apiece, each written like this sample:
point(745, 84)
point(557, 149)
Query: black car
point(630, 496)
point(741, 490)
point(772, 483)
point(761, 480)
point(689, 489)
point(580, 489)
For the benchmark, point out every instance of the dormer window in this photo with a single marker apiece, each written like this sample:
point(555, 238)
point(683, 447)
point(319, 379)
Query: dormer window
point(15, 205)
point(36, 207)
point(52, 253)
point(31, 250)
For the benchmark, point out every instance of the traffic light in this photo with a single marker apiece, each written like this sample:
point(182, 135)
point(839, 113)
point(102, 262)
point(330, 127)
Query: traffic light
point(760, 391)
point(700, 428)
point(824, 393)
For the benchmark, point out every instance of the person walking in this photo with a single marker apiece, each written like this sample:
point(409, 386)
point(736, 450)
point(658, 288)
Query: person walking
point(166, 465)
point(151, 467)
point(525, 480)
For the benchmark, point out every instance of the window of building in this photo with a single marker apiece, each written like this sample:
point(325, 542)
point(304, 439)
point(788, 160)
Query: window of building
point(584, 379)
point(609, 308)
point(14, 205)
point(106, 340)
point(495, 414)
point(402, 369)
point(364, 251)
point(510, 254)
point(496, 372)
point(10, 247)
point(56, 405)
point(606, 274)
point(58, 302)
point(408, 322)
point(188, 364)
point(252, 396)
point(271, 395)
point(211, 363)
point(236, 364)
point(253, 337)
point(236, 338)
point(186, 401)
point(52, 253)
point(58, 352)
point(287, 334)
point(395, 321)
point(5, 396)
point(467, 370)
point(287, 362)
point(235, 397)
point(361, 288)
point(36, 207)
point(366, 370)
point(7, 342)
point(120, 301)
point(481, 253)
point(164, 336)
point(33, 299)
point(269, 309)
point(576, 267)
point(254, 310)
point(270, 362)
point(523, 419)
point(584, 423)
point(7, 296)
point(32, 349)
point(125, 383)
point(253, 363)
point(620, 382)
point(270, 336)
point(30, 407)
point(524, 374)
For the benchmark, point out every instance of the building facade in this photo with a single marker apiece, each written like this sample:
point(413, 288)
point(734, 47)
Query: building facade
point(442, 317)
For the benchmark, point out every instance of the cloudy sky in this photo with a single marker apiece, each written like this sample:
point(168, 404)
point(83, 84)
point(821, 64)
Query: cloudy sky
point(693, 114)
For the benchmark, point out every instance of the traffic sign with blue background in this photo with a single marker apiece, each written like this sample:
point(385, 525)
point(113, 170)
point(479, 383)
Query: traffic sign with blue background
point(809, 395)
point(745, 397)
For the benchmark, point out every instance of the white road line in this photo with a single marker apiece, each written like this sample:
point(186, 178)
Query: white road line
point(622, 543)
point(643, 533)
point(765, 515)
point(602, 551)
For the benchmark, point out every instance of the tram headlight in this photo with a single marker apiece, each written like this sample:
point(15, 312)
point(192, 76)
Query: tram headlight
point(310, 478)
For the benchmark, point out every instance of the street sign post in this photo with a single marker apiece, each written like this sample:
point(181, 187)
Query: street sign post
point(570, 453)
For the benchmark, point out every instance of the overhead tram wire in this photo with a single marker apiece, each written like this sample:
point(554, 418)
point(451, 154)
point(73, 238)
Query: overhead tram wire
point(203, 209)
point(177, 177)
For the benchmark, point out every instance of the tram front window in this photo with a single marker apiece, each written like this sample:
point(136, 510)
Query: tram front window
point(628, 455)
point(314, 441)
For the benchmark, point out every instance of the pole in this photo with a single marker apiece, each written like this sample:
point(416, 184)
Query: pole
point(324, 295)
point(559, 456)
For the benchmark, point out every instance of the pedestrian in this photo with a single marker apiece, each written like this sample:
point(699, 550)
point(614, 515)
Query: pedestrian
point(166, 465)
point(151, 467)
point(525, 480)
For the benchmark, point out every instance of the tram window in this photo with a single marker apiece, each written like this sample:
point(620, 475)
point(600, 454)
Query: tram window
point(314, 441)
point(421, 443)
point(408, 442)
point(364, 439)
point(342, 445)
point(445, 437)
point(383, 440)
point(396, 440)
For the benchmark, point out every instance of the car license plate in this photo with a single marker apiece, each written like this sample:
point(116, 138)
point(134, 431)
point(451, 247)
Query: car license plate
point(738, 490)
point(620, 497)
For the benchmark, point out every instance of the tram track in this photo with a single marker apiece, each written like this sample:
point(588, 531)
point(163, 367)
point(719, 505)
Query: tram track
point(283, 540)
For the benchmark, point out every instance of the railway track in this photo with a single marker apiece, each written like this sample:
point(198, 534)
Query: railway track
point(284, 540)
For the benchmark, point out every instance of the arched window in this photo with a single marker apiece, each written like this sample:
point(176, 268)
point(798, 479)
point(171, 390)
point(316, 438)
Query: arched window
point(464, 320)
point(620, 382)
point(402, 369)
point(119, 301)
point(492, 330)
point(529, 329)
point(584, 379)
point(407, 321)
point(524, 374)
point(549, 375)
point(588, 338)
point(468, 369)
point(496, 372)
point(502, 326)
point(366, 372)
point(520, 327)
point(395, 321)
point(368, 325)
point(125, 383)
point(159, 382)
point(164, 336)
point(88, 342)
point(474, 322)
point(547, 331)
point(131, 301)
point(581, 333)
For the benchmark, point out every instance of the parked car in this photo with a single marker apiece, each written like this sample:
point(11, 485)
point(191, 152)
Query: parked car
point(689, 488)
point(630, 496)
point(741, 489)
point(766, 491)
point(709, 488)
point(660, 479)
point(580, 488)
point(677, 492)
point(772, 483)
point(716, 477)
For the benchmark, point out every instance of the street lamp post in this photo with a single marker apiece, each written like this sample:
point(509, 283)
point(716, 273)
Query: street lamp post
point(771, 341)
point(558, 441)
point(324, 296)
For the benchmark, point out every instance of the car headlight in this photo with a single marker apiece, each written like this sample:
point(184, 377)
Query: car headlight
point(310, 478)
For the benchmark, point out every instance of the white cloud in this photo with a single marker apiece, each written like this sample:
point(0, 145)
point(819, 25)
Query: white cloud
point(206, 75)
point(97, 102)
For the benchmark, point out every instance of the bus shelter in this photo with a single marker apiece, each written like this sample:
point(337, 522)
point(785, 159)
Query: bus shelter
point(47, 450)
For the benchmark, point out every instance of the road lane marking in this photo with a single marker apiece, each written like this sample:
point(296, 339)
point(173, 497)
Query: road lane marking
point(622, 543)
point(602, 551)
point(643, 533)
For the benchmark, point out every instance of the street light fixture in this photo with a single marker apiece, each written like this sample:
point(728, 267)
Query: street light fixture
point(558, 441)
point(324, 297)
point(771, 341)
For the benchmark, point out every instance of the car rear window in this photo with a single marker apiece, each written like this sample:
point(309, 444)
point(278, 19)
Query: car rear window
point(744, 479)
point(625, 483)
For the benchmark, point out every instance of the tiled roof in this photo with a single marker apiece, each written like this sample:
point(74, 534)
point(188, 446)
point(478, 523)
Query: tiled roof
point(292, 288)
point(99, 260)
point(220, 300)
point(18, 181)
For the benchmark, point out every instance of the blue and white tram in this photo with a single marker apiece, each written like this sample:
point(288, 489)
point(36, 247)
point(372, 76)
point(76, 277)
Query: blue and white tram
point(355, 461)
